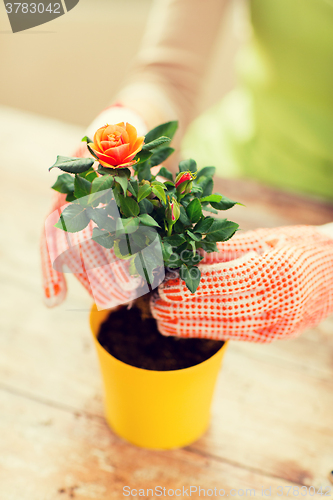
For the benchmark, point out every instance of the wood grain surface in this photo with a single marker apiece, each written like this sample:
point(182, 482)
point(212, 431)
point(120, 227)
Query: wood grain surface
point(272, 421)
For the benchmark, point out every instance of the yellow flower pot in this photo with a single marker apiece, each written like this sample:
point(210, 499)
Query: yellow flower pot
point(156, 409)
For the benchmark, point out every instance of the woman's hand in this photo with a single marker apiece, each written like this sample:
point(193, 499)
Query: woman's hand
point(104, 276)
point(261, 286)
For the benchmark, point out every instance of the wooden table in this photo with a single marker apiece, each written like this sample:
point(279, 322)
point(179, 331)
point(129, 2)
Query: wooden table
point(272, 422)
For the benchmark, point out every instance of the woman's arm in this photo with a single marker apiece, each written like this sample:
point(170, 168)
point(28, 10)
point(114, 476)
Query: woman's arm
point(172, 61)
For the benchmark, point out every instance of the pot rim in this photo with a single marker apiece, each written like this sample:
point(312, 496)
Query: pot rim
point(94, 311)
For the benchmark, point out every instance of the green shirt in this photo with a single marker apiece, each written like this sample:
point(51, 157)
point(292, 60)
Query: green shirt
point(277, 125)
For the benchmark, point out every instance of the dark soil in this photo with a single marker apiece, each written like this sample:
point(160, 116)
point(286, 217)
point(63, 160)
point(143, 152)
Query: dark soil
point(137, 342)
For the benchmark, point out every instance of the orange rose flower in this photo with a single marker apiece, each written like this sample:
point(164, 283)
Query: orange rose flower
point(116, 145)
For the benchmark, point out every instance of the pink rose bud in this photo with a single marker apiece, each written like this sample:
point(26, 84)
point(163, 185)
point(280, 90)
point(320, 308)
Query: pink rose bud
point(184, 182)
point(172, 212)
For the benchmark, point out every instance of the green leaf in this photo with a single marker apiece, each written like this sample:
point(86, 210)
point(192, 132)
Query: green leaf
point(159, 192)
point(165, 173)
point(146, 207)
point(141, 268)
point(206, 184)
point(100, 217)
point(141, 157)
point(221, 230)
point(153, 258)
point(183, 247)
point(123, 172)
point(147, 220)
point(186, 200)
point(73, 218)
point(112, 210)
point(103, 238)
point(104, 171)
point(170, 187)
point(86, 139)
point(133, 187)
point(167, 129)
point(145, 269)
point(144, 172)
point(183, 217)
point(208, 246)
point(64, 184)
point(207, 172)
point(149, 236)
point(190, 257)
point(203, 225)
point(194, 211)
point(70, 197)
point(188, 165)
point(158, 183)
point(194, 236)
point(160, 155)
point(132, 269)
point(143, 237)
point(167, 251)
point(174, 240)
point(212, 197)
point(98, 197)
point(196, 190)
point(174, 261)
point(191, 276)
point(116, 194)
point(123, 181)
point(179, 227)
point(131, 190)
point(81, 187)
point(146, 266)
point(225, 203)
point(73, 165)
point(150, 146)
point(144, 191)
point(92, 152)
point(107, 170)
point(194, 249)
point(156, 203)
point(129, 206)
point(128, 225)
point(209, 209)
point(90, 175)
point(121, 248)
point(102, 183)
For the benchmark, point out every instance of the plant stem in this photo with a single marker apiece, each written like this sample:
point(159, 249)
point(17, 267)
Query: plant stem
point(145, 270)
point(169, 229)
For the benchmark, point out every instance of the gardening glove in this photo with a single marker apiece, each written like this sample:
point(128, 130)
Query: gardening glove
point(260, 286)
point(104, 276)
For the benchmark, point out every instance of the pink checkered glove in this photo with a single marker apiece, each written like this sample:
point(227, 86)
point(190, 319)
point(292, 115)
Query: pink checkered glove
point(105, 277)
point(261, 286)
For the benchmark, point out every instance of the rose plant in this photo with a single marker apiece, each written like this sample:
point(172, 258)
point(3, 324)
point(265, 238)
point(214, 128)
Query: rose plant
point(145, 221)
point(147, 203)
